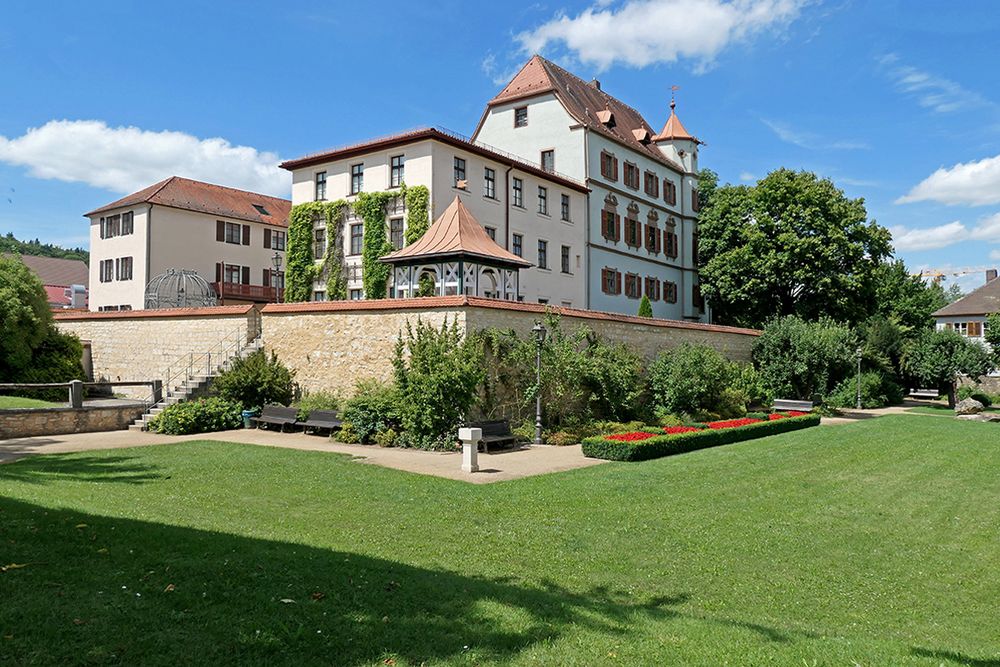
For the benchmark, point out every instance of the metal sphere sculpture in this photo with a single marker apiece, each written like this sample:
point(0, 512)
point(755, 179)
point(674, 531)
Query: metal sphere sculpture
point(179, 288)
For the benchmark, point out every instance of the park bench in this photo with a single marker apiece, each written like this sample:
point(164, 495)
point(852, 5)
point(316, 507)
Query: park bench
point(322, 420)
point(496, 433)
point(276, 415)
point(788, 404)
point(925, 393)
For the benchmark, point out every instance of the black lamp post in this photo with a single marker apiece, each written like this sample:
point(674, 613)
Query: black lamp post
point(857, 354)
point(276, 260)
point(539, 332)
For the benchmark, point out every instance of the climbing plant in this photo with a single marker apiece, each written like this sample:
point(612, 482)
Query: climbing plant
point(417, 212)
point(301, 270)
point(370, 207)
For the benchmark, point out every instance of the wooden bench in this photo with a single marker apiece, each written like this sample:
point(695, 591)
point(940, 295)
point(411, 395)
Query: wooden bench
point(496, 433)
point(322, 420)
point(932, 394)
point(276, 415)
point(788, 404)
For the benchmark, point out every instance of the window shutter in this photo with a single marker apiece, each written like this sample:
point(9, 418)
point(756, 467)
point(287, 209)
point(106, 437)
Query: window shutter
point(618, 227)
point(266, 278)
point(267, 238)
point(615, 163)
point(246, 234)
point(618, 282)
point(218, 272)
point(220, 230)
point(245, 278)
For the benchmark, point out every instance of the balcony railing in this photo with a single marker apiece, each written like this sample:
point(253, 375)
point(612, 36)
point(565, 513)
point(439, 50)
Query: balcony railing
point(260, 293)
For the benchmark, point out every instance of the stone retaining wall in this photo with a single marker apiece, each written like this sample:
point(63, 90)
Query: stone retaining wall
point(28, 422)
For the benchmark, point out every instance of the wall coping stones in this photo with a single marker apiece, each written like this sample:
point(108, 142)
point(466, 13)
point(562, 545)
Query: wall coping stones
point(208, 311)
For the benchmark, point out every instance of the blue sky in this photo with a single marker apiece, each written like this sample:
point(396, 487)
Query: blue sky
point(898, 102)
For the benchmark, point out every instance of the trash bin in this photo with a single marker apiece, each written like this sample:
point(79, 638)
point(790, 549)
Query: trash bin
point(247, 414)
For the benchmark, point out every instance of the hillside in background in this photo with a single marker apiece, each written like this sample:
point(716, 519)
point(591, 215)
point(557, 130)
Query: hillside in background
point(9, 244)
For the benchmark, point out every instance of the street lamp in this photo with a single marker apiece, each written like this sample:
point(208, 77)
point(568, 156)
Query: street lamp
point(276, 260)
point(857, 354)
point(539, 332)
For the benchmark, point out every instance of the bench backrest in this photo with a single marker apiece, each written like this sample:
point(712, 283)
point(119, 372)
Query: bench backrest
point(279, 411)
point(493, 427)
point(324, 416)
point(788, 404)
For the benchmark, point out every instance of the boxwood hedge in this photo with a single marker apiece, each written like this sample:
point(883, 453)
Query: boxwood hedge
point(601, 447)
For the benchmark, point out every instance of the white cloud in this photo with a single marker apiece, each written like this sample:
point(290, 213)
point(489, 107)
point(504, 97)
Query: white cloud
point(931, 238)
point(810, 140)
point(747, 177)
point(645, 32)
point(126, 159)
point(932, 92)
point(971, 183)
point(995, 255)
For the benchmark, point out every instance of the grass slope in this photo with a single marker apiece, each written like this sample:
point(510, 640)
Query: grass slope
point(872, 543)
point(940, 410)
point(7, 402)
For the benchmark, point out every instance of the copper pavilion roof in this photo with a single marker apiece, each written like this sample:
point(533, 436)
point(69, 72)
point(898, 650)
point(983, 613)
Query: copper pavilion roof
point(456, 233)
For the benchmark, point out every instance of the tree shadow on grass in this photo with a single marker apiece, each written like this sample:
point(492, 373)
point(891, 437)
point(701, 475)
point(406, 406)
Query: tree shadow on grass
point(48, 469)
point(955, 656)
point(97, 589)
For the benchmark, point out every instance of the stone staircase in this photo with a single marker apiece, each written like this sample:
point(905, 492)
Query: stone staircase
point(194, 373)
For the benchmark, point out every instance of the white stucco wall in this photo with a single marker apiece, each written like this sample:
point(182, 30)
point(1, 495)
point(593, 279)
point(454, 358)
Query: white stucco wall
point(119, 292)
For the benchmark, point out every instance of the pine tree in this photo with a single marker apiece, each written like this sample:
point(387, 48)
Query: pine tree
point(645, 307)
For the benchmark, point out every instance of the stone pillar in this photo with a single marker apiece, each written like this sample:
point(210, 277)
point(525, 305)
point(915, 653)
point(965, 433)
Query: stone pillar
point(470, 438)
point(157, 391)
point(75, 394)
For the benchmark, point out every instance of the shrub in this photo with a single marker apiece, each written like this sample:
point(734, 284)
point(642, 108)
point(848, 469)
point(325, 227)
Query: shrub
point(802, 360)
point(645, 307)
point(386, 438)
point(689, 379)
point(57, 359)
point(319, 400)
point(255, 381)
point(937, 358)
point(747, 380)
point(347, 434)
point(676, 443)
point(562, 438)
point(437, 375)
point(202, 416)
point(966, 391)
point(877, 391)
point(373, 408)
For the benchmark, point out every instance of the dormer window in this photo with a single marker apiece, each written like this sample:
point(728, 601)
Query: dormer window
point(642, 136)
point(261, 209)
point(606, 117)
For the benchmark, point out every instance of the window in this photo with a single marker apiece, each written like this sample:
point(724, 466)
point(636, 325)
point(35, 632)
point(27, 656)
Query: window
point(518, 192)
point(651, 184)
point(633, 287)
point(492, 233)
point(357, 178)
point(490, 183)
point(975, 330)
point(696, 298)
point(355, 273)
point(517, 245)
point(355, 295)
point(669, 192)
point(460, 173)
point(610, 225)
point(564, 207)
point(549, 160)
point(106, 271)
point(123, 268)
point(631, 176)
point(542, 300)
point(396, 232)
point(319, 295)
point(652, 239)
point(260, 209)
point(232, 232)
point(319, 243)
point(395, 171)
point(611, 281)
point(609, 166)
point(521, 117)
point(564, 259)
point(543, 254)
point(272, 278)
point(543, 200)
point(695, 201)
point(112, 226)
point(320, 185)
point(232, 273)
point(274, 239)
point(632, 232)
point(127, 224)
point(670, 242)
point(357, 238)
point(653, 288)
point(669, 291)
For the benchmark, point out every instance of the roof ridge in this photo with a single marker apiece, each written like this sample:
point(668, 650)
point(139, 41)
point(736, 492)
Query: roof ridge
point(219, 185)
point(607, 95)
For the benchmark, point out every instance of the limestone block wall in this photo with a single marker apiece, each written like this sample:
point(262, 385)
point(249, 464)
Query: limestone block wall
point(28, 422)
point(142, 344)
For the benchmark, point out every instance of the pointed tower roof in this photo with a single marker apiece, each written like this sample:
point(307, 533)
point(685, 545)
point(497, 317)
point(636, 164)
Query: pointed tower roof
point(456, 234)
point(674, 129)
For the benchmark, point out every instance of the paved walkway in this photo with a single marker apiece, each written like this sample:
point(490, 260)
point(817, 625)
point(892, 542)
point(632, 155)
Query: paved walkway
point(534, 460)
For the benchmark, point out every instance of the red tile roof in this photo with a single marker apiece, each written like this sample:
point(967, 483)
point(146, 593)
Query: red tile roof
point(982, 301)
point(584, 101)
point(56, 271)
point(442, 302)
point(189, 195)
point(674, 129)
point(208, 311)
point(456, 233)
point(438, 134)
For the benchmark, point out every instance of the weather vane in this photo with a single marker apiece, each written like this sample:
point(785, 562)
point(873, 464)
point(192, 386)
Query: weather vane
point(673, 89)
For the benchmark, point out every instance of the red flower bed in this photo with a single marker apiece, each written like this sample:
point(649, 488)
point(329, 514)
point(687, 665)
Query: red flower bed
point(632, 437)
point(670, 430)
point(732, 423)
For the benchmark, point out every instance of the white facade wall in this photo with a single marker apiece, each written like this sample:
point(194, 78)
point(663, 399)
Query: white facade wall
point(431, 163)
point(120, 292)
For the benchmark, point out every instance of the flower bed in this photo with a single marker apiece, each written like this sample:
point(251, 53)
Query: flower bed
point(654, 443)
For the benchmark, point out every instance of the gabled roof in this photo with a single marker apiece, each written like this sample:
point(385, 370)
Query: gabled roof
point(674, 129)
point(982, 301)
point(584, 101)
point(456, 234)
point(189, 195)
point(57, 272)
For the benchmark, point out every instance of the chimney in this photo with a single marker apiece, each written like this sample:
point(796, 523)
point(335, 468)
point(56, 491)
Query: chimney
point(596, 84)
point(991, 274)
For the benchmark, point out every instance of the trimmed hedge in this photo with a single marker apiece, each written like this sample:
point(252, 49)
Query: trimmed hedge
point(600, 447)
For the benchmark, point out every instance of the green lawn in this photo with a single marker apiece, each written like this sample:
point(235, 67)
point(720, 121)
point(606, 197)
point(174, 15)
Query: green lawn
point(873, 543)
point(940, 410)
point(7, 402)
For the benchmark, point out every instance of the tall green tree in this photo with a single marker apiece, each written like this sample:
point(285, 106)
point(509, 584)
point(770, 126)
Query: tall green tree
point(25, 318)
point(992, 336)
point(937, 358)
point(793, 244)
point(906, 299)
